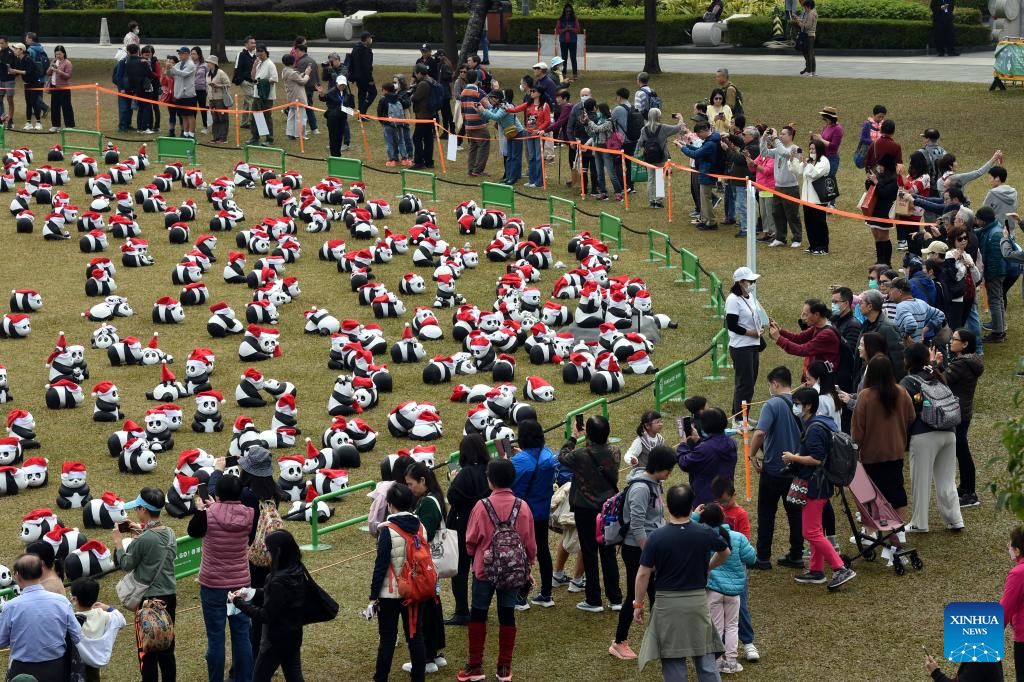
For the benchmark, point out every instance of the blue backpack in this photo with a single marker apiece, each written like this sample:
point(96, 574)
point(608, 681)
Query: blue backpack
point(1014, 268)
point(436, 99)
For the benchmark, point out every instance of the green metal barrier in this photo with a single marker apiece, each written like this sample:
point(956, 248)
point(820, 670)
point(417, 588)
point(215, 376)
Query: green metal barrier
point(662, 254)
point(97, 136)
point(719, 355)
point(345, 169)
point(670, 384)
point(188, 558)
point(610, 230)
point(494, 194)
point(3, 145)
point(176, 148)
point(717, 302)
point(600, 402)
point(411, 176)
point(690, 269)
point(314, 522)
point(251, 149)
point(554, 218)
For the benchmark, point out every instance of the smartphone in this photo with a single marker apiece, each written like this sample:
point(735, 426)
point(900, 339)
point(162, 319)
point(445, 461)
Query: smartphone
point(505, 449)
point(203, 491)
point(681, 426)
point(579, 423)
point(231, 461)
point(125, 526)
point(687, 426)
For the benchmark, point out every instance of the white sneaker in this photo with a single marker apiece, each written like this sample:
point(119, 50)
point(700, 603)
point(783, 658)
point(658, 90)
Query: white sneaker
point(147, 131)
point(345, 147)
point(730, 668)
point(316, 131)
point(441, 662)
point(615, 607)
point(38, 126)
point(431, 667)
point(28, 126)
point(53, 129)
point(578, 585)
point(202, 130)
point(796, 245)
point(751, 653)
point(777, 243)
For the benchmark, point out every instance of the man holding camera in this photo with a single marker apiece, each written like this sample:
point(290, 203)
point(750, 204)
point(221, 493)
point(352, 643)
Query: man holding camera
point(706, 156)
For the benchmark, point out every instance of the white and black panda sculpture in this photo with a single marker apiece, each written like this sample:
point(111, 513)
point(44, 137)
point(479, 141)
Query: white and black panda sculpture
point(105, 512)
point(108, 403)
point(207, 418)
point(73, 492)
point(137, 457)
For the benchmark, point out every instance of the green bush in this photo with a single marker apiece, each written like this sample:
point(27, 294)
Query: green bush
point(157, 24)
point(884, 9)
point(864, 34)
point(409, 27)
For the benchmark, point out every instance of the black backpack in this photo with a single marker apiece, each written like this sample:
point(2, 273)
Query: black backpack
point(634, 123)
point(840, 463)
point(436, 99)
point(653, 151)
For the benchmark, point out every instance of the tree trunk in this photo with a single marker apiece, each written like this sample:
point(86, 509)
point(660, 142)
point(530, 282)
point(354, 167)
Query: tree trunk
point(475, 27)
point(448, 32)
point(30, 16)
point(651, 37)
point(217, 46)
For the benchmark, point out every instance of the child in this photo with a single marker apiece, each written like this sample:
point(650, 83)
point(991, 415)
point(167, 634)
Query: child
point(736, 516)
point(404, 93)
point(167, 92)
point(100, 625)
point(392, 470)
point(726, 583)
point(389, 106)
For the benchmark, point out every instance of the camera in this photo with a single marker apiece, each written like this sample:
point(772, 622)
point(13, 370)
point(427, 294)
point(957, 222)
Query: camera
point(676, 116)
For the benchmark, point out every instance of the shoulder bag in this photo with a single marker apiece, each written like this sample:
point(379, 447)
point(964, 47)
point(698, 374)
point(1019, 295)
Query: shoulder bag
point(444, 548)
point(319, 606)
point(130, 590)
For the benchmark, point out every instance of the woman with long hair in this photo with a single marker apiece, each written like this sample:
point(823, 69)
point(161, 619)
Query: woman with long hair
point(535, 465)
point(648, 437)
point(822, 379)
point(568, 29)
point(430, 510)
point(467, 487)
point(746, 341)
point(883, 178)
point(201, 85)
point(808, 23)
point(880, 425)
point(654, 129)
point(282, 598)
point(962, 373)
point(58, 75)
point(600, 130)
point(719, 113)
point(808, 171)
point(536, 118)
point(914, 182)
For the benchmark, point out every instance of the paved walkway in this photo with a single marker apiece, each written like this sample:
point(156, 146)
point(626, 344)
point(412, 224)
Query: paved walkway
point(973, 68)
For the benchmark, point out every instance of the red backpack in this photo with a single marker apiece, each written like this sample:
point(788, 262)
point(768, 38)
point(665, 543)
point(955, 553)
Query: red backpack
point(418, 580)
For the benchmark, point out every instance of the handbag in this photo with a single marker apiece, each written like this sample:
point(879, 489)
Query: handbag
point(319, 606)
point(826, 188)
point(154, 627)
point(860, 154)
point(510, 132)
point(444, 549)
point(904, 207)
point(130, 590)
point(868, 201)
point(797, 493)
point(800, 44)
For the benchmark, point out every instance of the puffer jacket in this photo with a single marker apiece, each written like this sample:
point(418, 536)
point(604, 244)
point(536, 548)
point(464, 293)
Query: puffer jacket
point(992, 257)
point(730, 578)
point(225, 562)
point(961, 375)
point(391, 554)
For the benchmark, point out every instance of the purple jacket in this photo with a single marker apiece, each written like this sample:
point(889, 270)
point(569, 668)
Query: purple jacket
point(714, 456)
point(225, 559)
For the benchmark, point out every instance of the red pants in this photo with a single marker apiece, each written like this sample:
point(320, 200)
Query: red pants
point(821, 548)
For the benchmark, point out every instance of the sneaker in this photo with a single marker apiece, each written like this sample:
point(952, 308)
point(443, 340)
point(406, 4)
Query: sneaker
point(767, 238)
point(592, 608)
point(38, 126)
point(578, 585)
point(622, 651)
point(53, 129)
point(440, 661)
point(390, 164)
point(763, 565)
point(955, 529)
point(727, 668)
point(170, 133)
point(530, 185)
point(729, 221)
point(841, 577)
point(542, 600)
point(742, 234)
point(901, 245)
point(522, 604)
point(969, 501)
point(431, 667)
point(202, 131)
point(28, 126)
point(790, 562)
point(819, 252)
point(147, 131)
point(316, 131)
point(471, 673)
point(987, 326)
point(406, 162)
point(707, 227)
point(994, 338)
point(751, 653)
point(618, 196)
point(777, 242)
point(457, 620)
point(504, 673)
point(615, 607)
point(345, 147)
point(694, 214)
point(796, 245)
point(811, 578)
point(560, 580)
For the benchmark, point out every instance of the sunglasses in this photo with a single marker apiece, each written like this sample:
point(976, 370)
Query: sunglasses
point(884, 283)
point(962, 238)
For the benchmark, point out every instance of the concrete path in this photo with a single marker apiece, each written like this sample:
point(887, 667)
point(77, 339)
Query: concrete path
point(972, 68)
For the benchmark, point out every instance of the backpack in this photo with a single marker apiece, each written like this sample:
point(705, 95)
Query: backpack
point(940, 409)
point(634, 123)
point(932, 154)
point(612, 525)
point(1013, 267)
point(418, 579)
point(268, 522)
point(395, 110)
point(436, 98)
point(154, 627)
point(653, 152)
point(840, 463)
point(738, 109)
point(652, 101)
point(720, 164)
point(505, 562)
point(41, 60)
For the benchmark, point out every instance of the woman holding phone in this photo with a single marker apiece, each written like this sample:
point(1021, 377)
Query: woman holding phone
point(746, 341)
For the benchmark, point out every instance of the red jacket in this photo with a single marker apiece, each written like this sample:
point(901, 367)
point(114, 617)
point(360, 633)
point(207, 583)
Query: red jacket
point(736, 517)
point(480, 529)
point(879, 148)
point(813, 343)
point(1013, 600)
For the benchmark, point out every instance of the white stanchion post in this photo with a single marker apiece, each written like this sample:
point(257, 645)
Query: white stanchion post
point(751, 227)
point(104, 32)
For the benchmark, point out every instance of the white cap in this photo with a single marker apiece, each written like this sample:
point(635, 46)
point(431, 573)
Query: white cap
point(745, 274)
point(341, 80)
point(541, 65)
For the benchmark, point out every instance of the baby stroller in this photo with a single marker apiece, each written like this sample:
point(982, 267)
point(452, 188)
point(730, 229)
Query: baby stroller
point(879, 525)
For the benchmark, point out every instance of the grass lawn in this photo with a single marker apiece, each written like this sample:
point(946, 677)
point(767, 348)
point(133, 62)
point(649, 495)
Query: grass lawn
point(873, 629)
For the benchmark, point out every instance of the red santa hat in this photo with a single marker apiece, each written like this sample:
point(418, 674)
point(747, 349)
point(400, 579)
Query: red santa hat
point(334, 474)
point(235, 256)
point(111, 500)
point(170, 409)
point(37, 516)
point(131, 427)
point(252, 374)
point(311, 493)
point(286, 402)
point(56, 534)
point(536, 383)
point(311, 450)
point(103, 389)
point(216, 395)
point(73, 470)
point(188, 457)
point(65, 383)
point(100, 550)
point(186, 485)
point(219, 307)
point(339, 423)
point(241, 423)
point(166, 301)
point(166, 375)
point(639, 362)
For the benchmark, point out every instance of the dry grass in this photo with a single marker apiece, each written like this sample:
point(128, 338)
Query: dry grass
point(873, 629)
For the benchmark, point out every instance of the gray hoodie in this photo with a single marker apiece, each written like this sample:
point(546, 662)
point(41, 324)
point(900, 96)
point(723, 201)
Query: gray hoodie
point(1003, 200)
point(784, 176)
point(641, 504)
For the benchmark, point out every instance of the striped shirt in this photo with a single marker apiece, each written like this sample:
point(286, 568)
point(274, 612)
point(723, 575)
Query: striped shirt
point(470, 97)
point(913, 315)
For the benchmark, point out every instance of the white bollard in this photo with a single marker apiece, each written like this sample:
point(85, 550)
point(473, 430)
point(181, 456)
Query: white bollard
point(104, 32)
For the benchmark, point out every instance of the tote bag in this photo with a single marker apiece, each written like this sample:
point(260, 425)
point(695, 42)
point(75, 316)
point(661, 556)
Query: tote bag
point(444, 549)
point(130, 590)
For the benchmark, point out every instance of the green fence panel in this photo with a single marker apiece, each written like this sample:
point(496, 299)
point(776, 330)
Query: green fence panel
point(670, 384)
point(314, 522)
point(96, 146)
point(690, 269)
point(254, 150)
point(417, 182)
point(658, 249)
point(188, 557)
point(610, 230)
point(600, 402)
point(494, 194)
point(345, 169)
point(717, 303)
point(719, 355)
point(176, 148)
point(556, 204)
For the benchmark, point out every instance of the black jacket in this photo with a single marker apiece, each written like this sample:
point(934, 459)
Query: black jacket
point(962, 374)
point(136, 74)
point(971, 671)
point(432, 66)
point(335, 101)
point(468, 488)
point(849, 330)
point(360, 68)
point(243, 68)
point(282, 598)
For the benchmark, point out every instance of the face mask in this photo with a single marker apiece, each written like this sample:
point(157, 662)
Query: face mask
point(872, 284)
point(798, 410)
point(813, 156)
point(835, 309)
point(1013, 557)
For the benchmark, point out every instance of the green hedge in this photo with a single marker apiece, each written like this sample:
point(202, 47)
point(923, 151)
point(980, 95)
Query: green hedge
point(157, 24)
point(864, 34)
point(889, 9)
point(408, 27)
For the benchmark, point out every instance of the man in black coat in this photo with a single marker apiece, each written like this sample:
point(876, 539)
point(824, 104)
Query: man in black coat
point(942, 22)
point(360, 71)
point(243, 77)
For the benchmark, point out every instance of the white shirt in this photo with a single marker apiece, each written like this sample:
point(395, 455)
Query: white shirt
point(827, 406)
point(746, 310)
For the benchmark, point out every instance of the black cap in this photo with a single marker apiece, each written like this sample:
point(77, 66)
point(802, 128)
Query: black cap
point(930, 133)
point(422, 68)
point(497, 95)
point(699, 118)
point(365, 35)
point(425, 47)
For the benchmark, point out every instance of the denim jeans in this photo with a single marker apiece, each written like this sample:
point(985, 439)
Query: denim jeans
point(124, 113)
point(215, 612)
point(606, 172)
point(482, 592)
point(534, 162)
point(746, 623)
point(730, 202)
point(740, 206)
point(996, 305)
point(485, 46)
point(674, 669)
point(395, 143)
point(407, 140)
point(514, 161)
point(833, 164)
point(973, 322)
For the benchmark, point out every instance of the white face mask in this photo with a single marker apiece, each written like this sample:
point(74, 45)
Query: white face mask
point(1013, 557)
point(813, 155)
point(798, 410)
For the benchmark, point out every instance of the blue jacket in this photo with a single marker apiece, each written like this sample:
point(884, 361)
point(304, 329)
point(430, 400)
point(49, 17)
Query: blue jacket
point(988, 245)
point(816, 442)
point(706, 157)
point(537, 492)
point(923, 287)
point(731, 577)
point(503, 117)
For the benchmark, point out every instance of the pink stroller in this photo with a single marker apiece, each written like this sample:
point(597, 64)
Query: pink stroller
point(879, 525)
